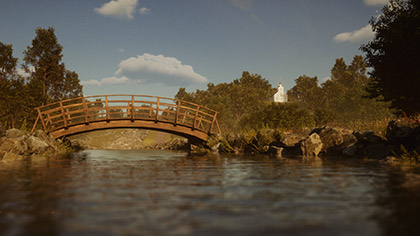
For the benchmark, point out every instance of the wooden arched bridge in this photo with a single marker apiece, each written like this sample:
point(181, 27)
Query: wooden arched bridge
point(84, 114)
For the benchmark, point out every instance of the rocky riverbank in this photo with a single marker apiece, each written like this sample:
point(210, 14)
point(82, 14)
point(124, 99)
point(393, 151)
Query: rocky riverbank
point(18, 145)
point(328, 141)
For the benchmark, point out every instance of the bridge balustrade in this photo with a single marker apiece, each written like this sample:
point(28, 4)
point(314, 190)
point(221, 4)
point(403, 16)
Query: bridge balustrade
point(109, 108)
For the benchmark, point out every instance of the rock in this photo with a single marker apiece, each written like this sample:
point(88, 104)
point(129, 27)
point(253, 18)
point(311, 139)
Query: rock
point(216, 148)
point(276, 151)
point(397, 132)
point(391, 159)
point(36, 145)
point(14, 133)
point(311, 146)
point(375, 151)
point(368, 136)
point(9, 156)
point(412, 181)
point(350, 150)
point(292, 140)
point(14, 145)
point(331, 138)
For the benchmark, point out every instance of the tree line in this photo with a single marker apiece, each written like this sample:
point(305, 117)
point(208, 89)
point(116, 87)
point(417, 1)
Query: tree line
point(351, 95)
point(245, 102)
point(48, 79)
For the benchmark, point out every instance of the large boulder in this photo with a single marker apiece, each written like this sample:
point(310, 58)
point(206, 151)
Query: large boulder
point(335, 139)
point(400, 133)
point(311, 146)
point(292, 140)
point(36, 145)
point(14, 145)
point(14, 133)
point(9, 156)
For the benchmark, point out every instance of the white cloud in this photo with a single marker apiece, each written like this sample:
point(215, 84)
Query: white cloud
point(144, 11)
point(361, 35)
point(376, 2)
point(109, 81)
point(150, 69)
point(159, 69)
point(23, 73)
point(123, 9)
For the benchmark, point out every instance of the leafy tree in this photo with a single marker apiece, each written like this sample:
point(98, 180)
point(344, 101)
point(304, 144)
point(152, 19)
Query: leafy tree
point(12, 89)
point(7, 61)
point(394, 55)
point(306, 92)
point(232, 100)
point(49, 73)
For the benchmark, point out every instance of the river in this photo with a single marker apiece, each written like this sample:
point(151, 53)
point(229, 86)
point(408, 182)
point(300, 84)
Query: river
point(155, 192)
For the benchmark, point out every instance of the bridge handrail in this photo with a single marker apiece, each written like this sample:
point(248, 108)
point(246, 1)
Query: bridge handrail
point(85, 110)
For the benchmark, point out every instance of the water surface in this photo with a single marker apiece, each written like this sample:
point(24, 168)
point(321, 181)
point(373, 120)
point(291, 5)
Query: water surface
point(167, 193)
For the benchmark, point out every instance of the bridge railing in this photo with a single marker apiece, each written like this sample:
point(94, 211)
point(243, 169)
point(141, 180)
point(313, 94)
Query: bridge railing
point(85, 110)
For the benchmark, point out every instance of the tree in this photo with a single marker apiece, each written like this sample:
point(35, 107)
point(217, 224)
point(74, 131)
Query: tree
point(49, 72)
point(232, 100)
point(7, 61)
point(394, 55)
point(306, 92)
point(12, 89)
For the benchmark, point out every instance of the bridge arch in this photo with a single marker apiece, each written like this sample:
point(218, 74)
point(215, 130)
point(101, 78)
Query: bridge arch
point(85, 114)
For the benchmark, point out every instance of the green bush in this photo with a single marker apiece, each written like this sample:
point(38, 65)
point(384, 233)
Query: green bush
point(283, 116)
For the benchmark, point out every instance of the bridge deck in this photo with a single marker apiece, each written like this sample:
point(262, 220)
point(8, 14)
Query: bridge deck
point(85, 114)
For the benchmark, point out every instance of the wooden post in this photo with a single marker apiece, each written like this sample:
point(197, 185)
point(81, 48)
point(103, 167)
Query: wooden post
point(178, 105)
point(157, 109)
point(68, 116)
point(195, 117)
point(85, 109)
point(132, 108)
point(36, 122)
point(107, 108)
point(212, 123)
point(63, 114)
point(42, 120)
point(49, 119)
point(185, 115)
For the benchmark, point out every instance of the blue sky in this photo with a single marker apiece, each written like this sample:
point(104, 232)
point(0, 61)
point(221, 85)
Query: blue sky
point(154, 47)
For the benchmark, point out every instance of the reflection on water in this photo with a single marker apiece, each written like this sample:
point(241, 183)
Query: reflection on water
point(158, 192)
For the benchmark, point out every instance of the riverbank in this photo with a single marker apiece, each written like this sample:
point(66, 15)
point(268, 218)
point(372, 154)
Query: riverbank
point(19, 145)
point(400, 142)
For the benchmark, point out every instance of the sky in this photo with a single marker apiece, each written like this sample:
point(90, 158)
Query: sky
point(154, 47)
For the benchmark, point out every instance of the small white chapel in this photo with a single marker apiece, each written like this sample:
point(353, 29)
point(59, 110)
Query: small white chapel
point(280, 95)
